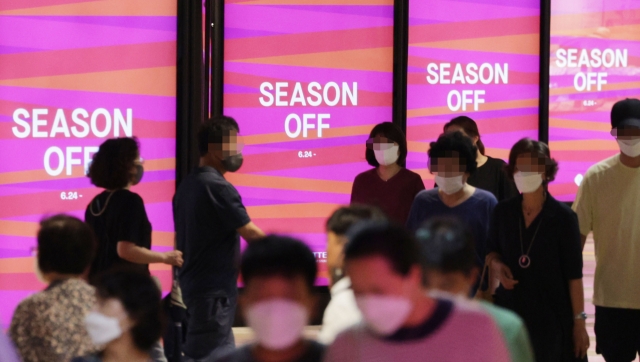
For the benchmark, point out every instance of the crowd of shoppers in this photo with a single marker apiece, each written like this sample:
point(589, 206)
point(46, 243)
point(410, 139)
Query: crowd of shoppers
point(403, 261)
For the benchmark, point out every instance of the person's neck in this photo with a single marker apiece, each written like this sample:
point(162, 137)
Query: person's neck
point(534, 200)
point(57, 277)
point(458, 197)
point(292, 353)
point(481, 159)
point(387, 172)
point(207, 161)
point(632, 162)
point(423, 309)
point(123, 350)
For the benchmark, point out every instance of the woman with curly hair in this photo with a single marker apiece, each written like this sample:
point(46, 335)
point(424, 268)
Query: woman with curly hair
point(117, 215)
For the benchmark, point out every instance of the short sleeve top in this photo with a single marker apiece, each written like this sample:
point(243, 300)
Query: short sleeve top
point(207, 212)
point(394, 196)
point(555, 255)
point(117, 216)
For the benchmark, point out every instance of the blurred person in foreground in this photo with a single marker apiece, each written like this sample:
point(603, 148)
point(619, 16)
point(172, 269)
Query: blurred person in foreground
point(448, 257)
point(277, 301)
point(209, 219)
point(342, 311)
point(388, 185)
point(127, 318)
point(401, 321)
point(608, 203)
point(49, 325)
point(534, 249)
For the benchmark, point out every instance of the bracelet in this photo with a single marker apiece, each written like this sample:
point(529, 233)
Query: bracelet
point(581, 316)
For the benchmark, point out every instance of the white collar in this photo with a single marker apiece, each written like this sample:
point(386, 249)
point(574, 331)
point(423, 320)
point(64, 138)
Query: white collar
point(341, 286)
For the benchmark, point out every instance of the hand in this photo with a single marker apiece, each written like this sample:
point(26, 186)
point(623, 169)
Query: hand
point(173, 258)
point(503, 273)
point(580, 338)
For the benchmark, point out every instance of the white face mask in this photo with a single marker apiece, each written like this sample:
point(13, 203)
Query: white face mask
point(449, 185)
point(527, 182)
point(277, 323)
point(384, 315)
point(387, 157)
point(630, 148)
point(102, 329)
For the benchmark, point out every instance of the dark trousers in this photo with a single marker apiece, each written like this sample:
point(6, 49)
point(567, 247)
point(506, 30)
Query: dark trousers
point(617, 333)
point(209, 327)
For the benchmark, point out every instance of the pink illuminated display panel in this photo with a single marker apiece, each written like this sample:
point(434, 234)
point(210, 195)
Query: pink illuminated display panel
point(73, 73)
point(595, 61)
point(476, 58)
point(306, 80)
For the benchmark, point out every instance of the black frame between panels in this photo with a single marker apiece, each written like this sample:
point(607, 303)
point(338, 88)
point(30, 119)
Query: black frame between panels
point(200, 73)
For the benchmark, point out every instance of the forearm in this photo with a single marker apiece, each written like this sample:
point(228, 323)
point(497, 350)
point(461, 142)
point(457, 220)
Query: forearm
point(576, 291)
point(140, 255)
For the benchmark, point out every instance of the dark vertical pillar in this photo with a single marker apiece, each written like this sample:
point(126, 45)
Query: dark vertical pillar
point(545, 41)
point(217, 57)
point(190, 85)
point(400, 59)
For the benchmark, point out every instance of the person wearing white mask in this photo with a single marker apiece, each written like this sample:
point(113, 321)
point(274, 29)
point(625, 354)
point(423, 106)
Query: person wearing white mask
point(49, 325)
point(452, 159)
point(535, 252)
point(277, 301)
point(388, 186)
point(342, 312)
point(608, 203)
point(127, 318)
point(401, 321)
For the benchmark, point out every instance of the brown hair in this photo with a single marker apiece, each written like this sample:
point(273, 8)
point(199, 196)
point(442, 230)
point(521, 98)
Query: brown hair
point(469, 126)
point(536, 149)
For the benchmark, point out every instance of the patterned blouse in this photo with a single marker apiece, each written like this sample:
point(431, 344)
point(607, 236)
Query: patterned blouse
point(49, 326)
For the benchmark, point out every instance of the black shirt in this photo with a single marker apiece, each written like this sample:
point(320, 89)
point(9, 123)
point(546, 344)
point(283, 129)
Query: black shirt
point(207, 211)
point(492, 177)
point(541, 296)
point(314, 353)
point(123, 218)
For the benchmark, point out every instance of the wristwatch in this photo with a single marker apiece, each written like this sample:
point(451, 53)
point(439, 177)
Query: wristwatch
point(582, 316)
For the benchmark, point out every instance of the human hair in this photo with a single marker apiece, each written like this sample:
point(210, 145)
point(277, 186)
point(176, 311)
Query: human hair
point(382, 239)
point(536, 149)
point(214, 130)
point(140, 297)
point(470, 127)
point(345, 217)
point(276, 255)
point(623, 110)
point(113, 166)
point(393, 133)
point(66, 245)
point(454, 142)
point(447, 246)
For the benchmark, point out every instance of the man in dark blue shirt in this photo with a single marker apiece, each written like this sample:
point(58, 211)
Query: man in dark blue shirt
point(452, 159)
point(209, 219)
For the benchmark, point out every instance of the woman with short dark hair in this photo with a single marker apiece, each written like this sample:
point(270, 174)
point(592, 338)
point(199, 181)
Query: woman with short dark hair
point(452, 160)
point(127, 319)
point(117, 215)
point(490, 175)
point(48, 326)
point(389, 185)
point(536, 253)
